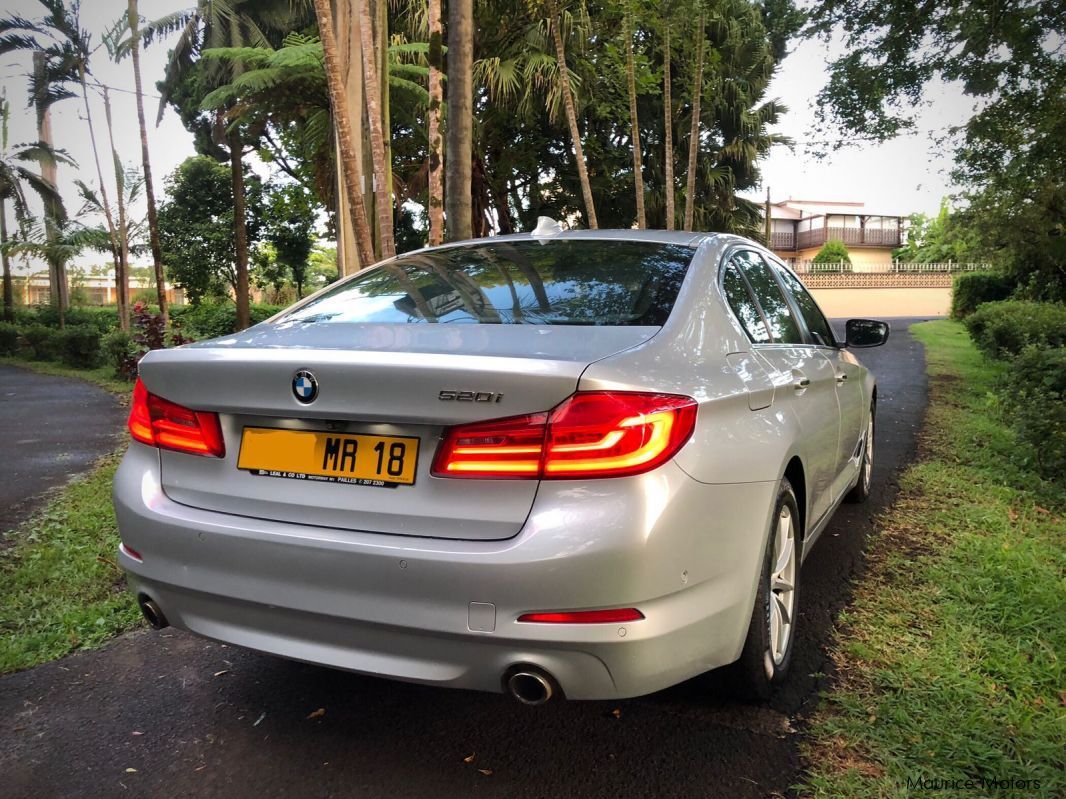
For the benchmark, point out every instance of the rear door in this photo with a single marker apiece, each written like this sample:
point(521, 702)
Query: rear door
point(848, 375)
point(804, 379)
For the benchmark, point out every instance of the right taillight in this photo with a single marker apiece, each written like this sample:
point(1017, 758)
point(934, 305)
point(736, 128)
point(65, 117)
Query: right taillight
point(167, 425)
point(591, 434)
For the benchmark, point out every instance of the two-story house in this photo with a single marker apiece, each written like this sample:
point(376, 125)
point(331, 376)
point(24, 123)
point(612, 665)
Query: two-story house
point(799, 228)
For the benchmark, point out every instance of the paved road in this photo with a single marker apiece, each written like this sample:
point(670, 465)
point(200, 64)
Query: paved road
point(168, 715)
point(51, 429)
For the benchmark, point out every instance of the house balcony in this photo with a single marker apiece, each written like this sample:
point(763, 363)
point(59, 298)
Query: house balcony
point(851, 236)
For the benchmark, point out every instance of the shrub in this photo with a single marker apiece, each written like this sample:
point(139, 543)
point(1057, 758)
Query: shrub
point(103, 318)
point(1004, 329)
point(121, 353)
point(1034, 397)
point(43, 341)
point(833, 251)
point(971, 289)
point(79, 346)
point(211, 320)
point(9, 339)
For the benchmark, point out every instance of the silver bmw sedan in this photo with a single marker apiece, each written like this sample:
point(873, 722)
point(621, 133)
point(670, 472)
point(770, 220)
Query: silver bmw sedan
point(586, 464)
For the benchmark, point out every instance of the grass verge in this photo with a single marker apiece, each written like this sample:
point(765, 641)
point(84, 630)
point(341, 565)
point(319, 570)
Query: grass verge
point(949, 660)
point(102, 376)
point(61, 588)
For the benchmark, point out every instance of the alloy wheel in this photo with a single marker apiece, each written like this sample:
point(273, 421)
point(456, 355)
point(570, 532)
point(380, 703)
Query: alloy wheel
point(783, 585)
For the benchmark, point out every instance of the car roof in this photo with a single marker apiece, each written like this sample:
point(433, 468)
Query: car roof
point(682, 238)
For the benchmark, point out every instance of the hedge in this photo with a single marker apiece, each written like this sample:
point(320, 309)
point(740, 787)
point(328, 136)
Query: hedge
point(9, 339)
point(1034, 398)
point(971, 289)
point(211, 320)
point(1004, 329)
point(79, 346)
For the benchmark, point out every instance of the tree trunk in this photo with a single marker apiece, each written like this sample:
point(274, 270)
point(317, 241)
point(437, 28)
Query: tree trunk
point(57, 269)
point(571, 115)
point(460, 119)
point(694, 134)
point(112, 231)
point(382, 35)
point(122, 227)
point(9, 289)
point(668, 126)
point(240, 231)
point(382, 203)
point(638, 168)
point(146, 163)
point(342, 122)
point(436, 95)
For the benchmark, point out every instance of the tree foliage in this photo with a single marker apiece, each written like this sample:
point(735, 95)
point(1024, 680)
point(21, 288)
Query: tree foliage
point(833, 251)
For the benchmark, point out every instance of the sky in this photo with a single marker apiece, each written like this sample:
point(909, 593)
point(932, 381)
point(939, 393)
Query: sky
point(898, 177)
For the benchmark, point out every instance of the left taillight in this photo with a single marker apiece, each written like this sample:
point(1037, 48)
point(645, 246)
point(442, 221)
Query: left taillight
point(167, 425)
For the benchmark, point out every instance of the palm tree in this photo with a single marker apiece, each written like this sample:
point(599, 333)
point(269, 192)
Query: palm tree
point(435, 200)
point(694, 135)
point(353, 179)
point(668, 127)
point(14, 180)
point(460, 131)
point(373, 94)
point(631, 80)
point(555, 23)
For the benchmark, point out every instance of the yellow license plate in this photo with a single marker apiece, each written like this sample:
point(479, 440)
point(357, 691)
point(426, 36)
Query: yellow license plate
point(355, 459)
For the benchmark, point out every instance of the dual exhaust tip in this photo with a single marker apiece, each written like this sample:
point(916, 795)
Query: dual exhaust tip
point(530, 685)
point(527, 684)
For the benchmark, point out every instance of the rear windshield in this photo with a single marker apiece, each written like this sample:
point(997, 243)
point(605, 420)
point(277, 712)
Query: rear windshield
point(590, 282)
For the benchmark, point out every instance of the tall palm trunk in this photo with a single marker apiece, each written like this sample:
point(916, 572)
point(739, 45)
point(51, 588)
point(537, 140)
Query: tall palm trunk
point(382, 203)
point(436, 95)
point(638, 168)
point(112, 231)
point(459, 144)
point(342, 123)
point(9, 289)
point(57, 269)
point(694, 135)
point(122, 226)
point(146, 163)
point(668, 127)
point(571, 114)
point(240, 230)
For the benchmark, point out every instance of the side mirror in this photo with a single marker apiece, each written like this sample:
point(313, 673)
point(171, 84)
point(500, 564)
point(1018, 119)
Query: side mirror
point(861, 333)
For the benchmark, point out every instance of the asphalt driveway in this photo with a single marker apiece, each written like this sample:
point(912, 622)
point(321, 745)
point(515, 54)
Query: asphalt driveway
point(169, 715)
point(51, 429)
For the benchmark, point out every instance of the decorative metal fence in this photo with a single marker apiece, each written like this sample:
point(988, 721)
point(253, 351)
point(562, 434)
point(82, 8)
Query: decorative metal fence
point(889, 267)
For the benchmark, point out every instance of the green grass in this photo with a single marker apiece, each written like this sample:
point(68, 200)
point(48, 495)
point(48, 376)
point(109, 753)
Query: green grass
point(60, 586)
point(949, 659)
point(102, 376)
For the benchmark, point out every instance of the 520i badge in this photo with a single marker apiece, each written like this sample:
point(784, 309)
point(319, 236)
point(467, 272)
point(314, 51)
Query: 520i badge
point(470, 396)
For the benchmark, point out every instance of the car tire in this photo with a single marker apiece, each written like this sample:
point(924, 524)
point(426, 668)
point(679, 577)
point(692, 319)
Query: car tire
point(861, 490)
point(767, 652)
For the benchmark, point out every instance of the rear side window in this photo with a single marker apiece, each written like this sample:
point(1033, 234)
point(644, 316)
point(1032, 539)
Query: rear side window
point(743, 305)
point(561, 282)
point(812, 314)
point(783, 326)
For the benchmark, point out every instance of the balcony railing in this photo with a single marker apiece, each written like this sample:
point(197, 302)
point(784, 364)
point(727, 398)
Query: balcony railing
point(854, 236)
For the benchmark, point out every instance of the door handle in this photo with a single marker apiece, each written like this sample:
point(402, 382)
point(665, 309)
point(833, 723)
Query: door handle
point(802, 383)
point(842, 377)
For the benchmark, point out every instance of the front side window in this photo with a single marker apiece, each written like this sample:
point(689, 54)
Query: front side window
point(561, 282)
point(812, 314)
point(743, 305)
point(775, 308)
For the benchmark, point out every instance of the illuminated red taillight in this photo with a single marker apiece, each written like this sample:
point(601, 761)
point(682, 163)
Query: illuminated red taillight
point(590, 434)
point(167, 425)
point(615, 616)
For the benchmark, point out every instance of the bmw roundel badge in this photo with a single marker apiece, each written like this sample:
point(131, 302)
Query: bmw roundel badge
point(304, 386)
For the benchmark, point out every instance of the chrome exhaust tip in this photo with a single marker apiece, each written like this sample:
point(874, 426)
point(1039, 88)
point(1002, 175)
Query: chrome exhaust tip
point(152, 614)
point(530, 687)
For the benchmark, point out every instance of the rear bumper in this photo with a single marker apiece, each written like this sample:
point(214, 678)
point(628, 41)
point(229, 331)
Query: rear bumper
point(686, 554)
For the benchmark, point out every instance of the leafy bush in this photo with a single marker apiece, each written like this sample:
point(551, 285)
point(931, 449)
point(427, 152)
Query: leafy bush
point(1004, 329)
point(971, 289)
point(121, 353)
point(211, 320)
point(1034, 397)
point(79, 346)
point(833, 252)
point(44, 341)
point(103, 318)
point(9, 339)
